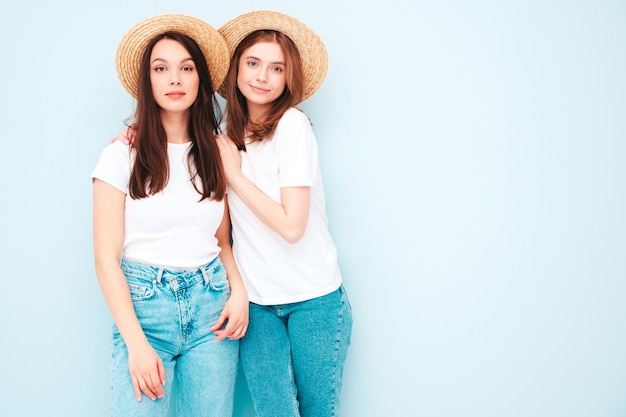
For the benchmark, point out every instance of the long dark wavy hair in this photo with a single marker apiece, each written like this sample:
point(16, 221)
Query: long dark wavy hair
point(150, 172)
point(236, 108)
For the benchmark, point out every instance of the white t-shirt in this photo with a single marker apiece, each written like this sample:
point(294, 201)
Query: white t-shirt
point(275, 271)
point(171, 228)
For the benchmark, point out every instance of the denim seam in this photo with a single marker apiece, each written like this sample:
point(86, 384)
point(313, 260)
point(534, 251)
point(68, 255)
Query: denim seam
point(294, 392)
point(333, 401)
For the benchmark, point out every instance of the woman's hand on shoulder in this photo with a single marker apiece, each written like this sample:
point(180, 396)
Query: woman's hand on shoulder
point(231, 158)
point(126, 136)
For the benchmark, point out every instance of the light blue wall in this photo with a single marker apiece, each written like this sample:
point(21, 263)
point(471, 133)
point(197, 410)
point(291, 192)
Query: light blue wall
point(474, 157)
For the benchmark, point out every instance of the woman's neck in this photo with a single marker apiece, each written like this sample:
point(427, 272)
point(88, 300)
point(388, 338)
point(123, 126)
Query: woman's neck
point(256, 112)
point(176, 127)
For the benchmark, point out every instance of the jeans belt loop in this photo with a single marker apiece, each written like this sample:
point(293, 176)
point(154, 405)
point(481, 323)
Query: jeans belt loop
point(159, 276)
point(205, 274)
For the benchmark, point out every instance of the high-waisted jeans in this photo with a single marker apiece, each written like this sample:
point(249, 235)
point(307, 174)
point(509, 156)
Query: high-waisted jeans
point(176, 309)
point(293, 356)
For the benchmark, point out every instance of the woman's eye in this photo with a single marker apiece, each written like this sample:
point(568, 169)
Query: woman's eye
point(159, 69)
point(277, 69)
point(187, 69)
point(252, 64)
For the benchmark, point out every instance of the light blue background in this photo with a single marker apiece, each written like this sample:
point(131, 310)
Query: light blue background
point(474, 161)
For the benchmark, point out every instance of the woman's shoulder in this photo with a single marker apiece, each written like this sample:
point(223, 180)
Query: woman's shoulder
point(114, 165)
point(118, 147)
point(294, 125)
point(117, 151)
point(295, 115)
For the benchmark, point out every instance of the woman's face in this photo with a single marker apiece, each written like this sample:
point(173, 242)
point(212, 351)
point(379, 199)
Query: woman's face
point(261, 75)
point(173, 76)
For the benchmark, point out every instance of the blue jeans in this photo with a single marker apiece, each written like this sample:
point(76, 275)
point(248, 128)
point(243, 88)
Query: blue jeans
point(176, 309)
point(293, 356)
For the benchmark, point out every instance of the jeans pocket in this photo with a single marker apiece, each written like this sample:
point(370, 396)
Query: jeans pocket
point(141, 289)
point(344, 296)
point(218, 280)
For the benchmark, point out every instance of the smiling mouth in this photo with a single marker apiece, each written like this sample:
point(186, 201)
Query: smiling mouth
point(259, 89)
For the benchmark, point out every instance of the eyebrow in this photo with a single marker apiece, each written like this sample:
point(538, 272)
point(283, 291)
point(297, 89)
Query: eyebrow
point(165, 60)
point(259, 59)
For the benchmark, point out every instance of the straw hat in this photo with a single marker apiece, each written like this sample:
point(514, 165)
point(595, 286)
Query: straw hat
point(132, 45)
point(311, 48)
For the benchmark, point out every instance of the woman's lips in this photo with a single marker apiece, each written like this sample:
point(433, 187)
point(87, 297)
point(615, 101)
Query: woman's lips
point(259, 89)
point(175, 94)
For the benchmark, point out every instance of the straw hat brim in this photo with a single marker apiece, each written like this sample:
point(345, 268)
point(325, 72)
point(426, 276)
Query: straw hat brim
point(312, 51)
point(134, 42)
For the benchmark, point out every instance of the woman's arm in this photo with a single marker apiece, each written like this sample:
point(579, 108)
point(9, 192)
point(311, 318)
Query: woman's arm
point(145, 366)
point(236, 308)
point(289, 218)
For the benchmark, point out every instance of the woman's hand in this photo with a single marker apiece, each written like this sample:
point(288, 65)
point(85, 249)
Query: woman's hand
point(235, 315)
point(146, 372)
point(126, 136)
point(231, 158)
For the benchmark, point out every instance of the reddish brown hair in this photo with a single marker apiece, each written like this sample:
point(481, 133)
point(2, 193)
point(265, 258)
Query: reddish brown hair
point(236, 108)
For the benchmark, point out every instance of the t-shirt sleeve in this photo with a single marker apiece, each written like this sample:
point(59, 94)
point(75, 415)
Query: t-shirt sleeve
point(298, 160)
point(114, 166)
